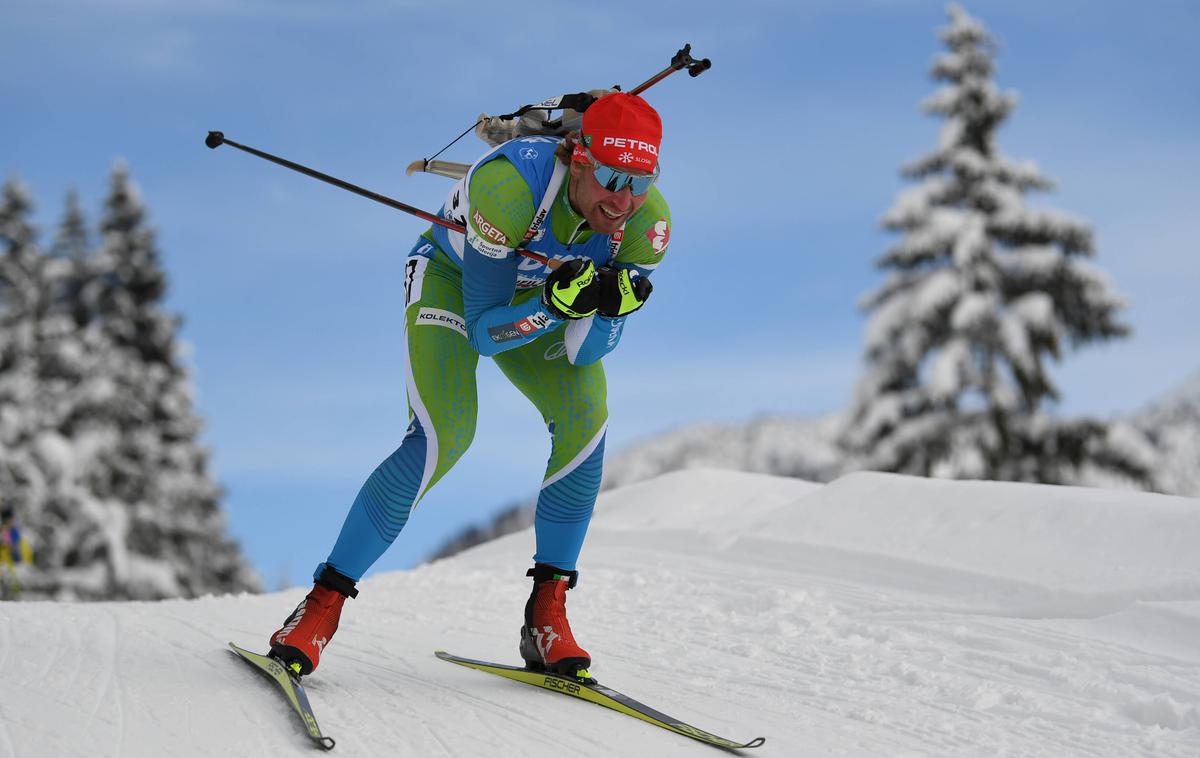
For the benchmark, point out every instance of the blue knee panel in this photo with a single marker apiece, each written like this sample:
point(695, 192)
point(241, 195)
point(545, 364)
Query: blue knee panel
point(381, 509)
point(564, 510)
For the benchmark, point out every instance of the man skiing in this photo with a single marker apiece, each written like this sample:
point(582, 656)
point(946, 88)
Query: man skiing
point(588, 204)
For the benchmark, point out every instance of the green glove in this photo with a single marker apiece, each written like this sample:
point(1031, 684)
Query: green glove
point(621, 291)
point(572, 290)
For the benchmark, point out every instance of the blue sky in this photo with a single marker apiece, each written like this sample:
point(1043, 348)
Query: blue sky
point(777, 163)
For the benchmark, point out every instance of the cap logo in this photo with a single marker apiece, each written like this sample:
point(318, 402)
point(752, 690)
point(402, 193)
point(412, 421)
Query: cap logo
point(631, 143)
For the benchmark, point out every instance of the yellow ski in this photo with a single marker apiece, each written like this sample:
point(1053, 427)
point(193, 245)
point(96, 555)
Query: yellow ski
point(289, 683)
point(594, 692)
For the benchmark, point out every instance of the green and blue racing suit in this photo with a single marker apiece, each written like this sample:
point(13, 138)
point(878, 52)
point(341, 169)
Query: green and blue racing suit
point(471, 294)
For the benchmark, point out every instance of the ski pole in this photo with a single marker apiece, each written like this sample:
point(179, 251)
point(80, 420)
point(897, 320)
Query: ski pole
point(681, 60)
point(580, 101)
point(216, 139)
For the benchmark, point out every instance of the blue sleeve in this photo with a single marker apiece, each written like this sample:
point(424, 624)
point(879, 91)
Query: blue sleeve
point(492, 324)
point(590, 339)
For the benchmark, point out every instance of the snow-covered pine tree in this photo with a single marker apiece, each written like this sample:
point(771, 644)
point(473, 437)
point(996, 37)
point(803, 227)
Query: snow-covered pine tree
point(72, 246)
point(982, 290)
point(21, 303)
point(53, 365)
point(71, 240)
point(99, 449)
point(35, 397)
point(135, 434)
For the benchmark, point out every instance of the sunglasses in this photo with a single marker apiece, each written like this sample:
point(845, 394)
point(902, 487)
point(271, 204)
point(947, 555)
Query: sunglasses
point(615, 180)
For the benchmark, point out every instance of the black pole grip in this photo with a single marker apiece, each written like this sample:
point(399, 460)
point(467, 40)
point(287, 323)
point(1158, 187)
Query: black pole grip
point(681, 60)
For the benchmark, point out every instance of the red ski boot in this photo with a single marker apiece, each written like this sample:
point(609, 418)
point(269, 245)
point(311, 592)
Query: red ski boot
point(546, 640)
point(310, 627)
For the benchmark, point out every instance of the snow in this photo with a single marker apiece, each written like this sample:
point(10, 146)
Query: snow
point(947, 368)
point(973, 311)
point(1014, 336)
point(1036, 311)
point(971, 244)
point(56, 453)
point(878, 615)
point(935, 293)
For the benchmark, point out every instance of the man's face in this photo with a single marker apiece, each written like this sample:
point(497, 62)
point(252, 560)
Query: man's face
point(604, 211)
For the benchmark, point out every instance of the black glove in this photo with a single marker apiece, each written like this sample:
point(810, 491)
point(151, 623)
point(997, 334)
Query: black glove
point(622, 291)
point(572, 290)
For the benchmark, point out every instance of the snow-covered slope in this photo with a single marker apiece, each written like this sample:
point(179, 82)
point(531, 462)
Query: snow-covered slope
point(875, 616)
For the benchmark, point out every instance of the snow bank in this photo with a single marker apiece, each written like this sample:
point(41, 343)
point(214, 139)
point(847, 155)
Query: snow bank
point(1063, 538)
point(874, 616)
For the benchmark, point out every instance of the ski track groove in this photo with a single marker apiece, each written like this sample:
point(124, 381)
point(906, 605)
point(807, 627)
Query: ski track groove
point(77, 651)
point(106, 672)
point(375, 673)
point(114, 683)
point(344, 708)
point(110, 691)
point(5, 643)
point(6, 737)
point(57, 647)
point(181, 675)
point(364, 718)
point(497, 719)
point(436, 738)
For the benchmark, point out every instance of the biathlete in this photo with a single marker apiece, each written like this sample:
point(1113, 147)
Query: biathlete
point(587, 203)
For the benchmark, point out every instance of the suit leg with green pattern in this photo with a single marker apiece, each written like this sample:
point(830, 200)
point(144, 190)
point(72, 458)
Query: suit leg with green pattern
point(443, 408)
point(573, 403)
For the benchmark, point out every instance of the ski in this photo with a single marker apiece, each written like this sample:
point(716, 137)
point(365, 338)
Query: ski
point(594, 692)
point(289, 683)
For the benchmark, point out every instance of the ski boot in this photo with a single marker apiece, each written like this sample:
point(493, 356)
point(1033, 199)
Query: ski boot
point(299, 642)
point(546, 640)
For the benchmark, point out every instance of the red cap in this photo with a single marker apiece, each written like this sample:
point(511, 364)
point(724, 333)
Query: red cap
point(623, 131)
